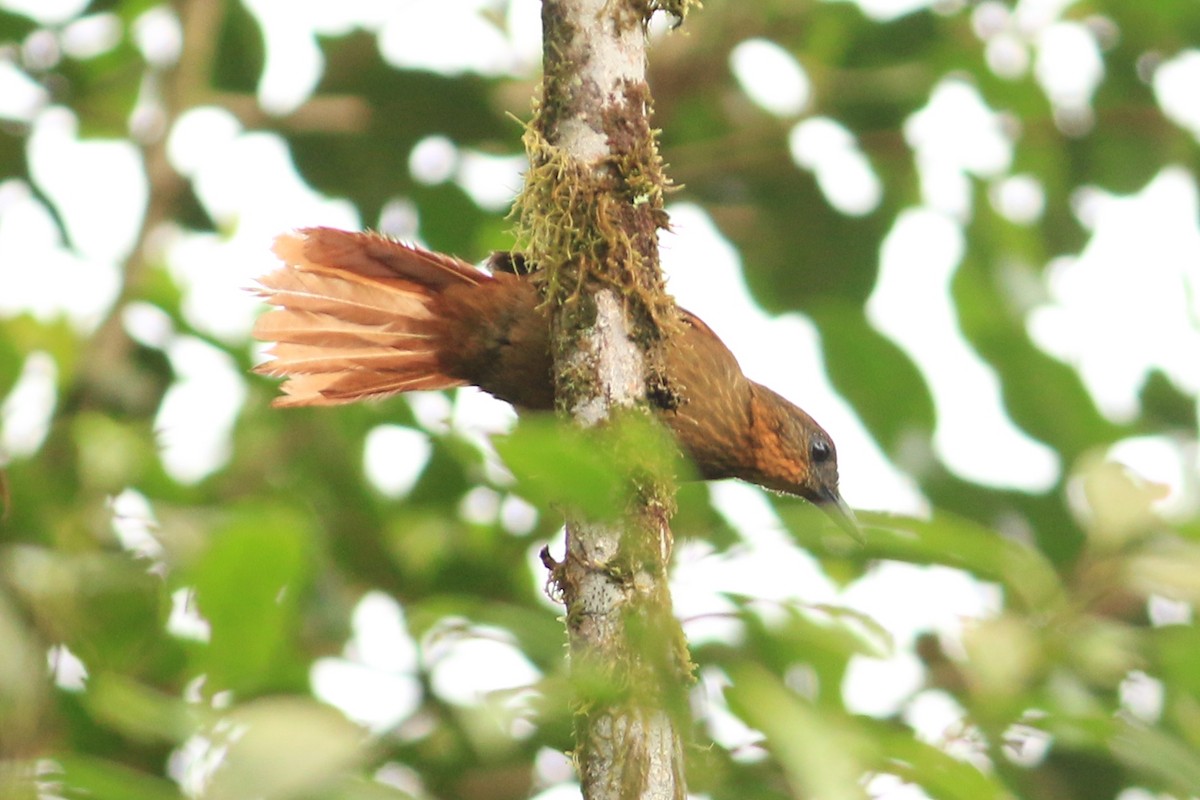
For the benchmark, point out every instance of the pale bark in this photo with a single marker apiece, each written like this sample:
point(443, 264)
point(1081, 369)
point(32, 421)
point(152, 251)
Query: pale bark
point(628, 738)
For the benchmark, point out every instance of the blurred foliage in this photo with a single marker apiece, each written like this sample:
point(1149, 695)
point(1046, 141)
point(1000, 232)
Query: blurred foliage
point(276, 548)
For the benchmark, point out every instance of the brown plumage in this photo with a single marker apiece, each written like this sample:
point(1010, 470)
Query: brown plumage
point(362, 316)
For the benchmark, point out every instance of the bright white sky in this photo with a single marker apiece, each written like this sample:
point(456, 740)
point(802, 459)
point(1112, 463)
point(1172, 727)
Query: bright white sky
point(248, 183)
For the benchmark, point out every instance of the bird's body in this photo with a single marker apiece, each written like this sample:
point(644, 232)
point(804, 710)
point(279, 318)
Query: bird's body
point(363, 316)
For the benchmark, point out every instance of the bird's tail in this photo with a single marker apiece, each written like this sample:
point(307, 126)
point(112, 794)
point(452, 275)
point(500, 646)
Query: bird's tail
point(356, 316)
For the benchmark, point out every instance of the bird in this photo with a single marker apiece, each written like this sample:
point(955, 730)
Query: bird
point(359, 315)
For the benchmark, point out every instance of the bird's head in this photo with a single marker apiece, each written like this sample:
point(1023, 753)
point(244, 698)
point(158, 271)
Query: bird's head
point(795, 455)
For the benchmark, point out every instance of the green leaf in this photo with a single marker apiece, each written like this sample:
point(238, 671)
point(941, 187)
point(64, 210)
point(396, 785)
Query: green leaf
point(105, 607)
point(366, 790)
point(112, 454)
point(940, 775)
point(247, 587)
point(819, 636)
point(539, 634)
point(947, 540)
point(1044, 396)
point(24, 690)
point(283, 747)
point(1158, 755)
point(822, 754)
point(1177, 649)
point(594, 471)
point(813, 631)
point(894, 417)
point(97, 779)
point(138, 711)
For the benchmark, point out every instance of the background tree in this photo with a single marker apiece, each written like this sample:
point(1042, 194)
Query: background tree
point(1019, 178)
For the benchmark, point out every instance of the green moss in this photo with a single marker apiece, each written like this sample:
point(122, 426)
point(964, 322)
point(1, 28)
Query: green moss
point(597, 224)
point(640, 11)
point(676, 8)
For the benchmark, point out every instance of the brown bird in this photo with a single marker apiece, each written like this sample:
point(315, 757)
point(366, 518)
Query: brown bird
point(362, 316)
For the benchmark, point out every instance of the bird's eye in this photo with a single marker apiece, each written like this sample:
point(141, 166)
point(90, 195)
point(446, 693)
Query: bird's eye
point(820, 451)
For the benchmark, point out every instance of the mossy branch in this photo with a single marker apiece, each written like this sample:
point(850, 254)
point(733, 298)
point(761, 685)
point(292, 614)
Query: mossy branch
point(588, 219)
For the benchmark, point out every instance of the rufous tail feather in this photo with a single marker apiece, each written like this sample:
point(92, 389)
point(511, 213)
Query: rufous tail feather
point(355, 316)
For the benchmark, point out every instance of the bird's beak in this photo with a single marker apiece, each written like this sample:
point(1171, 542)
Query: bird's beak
point(831, 503)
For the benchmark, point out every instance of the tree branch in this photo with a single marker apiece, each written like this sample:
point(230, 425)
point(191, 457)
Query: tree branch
point(589, 216)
